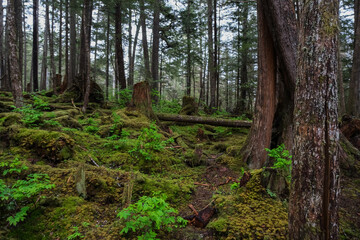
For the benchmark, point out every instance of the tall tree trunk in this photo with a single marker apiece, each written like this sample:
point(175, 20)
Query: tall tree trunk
point(2, 70)
point(107, 56)
point(51, 45)
point(354, 92)
point(60, 36)
point(72, 61)
point(119, 58)
point(188, 49)
point(96, 47)
point(129, 45)
point(313, 205)
point(277, 31)
point(132, 62)
point(35, 50)
point(15, 73)
point(85, 32)
point(25, 48)
point(19, 30)
point(66, 44)
point(216, 53)
point(244, 59)
point(144, 41)
point(155, 49)
point(212, 77)
point(260, 134)
point(45, 48)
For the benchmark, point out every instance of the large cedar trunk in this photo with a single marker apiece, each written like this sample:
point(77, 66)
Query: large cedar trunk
point(315, 186)
point(274, 105)
point(13, 57)
point(260, 133)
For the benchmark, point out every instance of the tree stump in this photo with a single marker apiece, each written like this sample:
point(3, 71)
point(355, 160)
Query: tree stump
point(189, 106)
point(141, 100)
point(56, 83)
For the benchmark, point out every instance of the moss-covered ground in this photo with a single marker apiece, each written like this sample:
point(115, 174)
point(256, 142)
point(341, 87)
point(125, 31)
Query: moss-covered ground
point(198, 167)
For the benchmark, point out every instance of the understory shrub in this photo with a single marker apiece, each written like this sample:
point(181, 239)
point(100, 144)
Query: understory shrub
point(17, 197)
point(148, 215)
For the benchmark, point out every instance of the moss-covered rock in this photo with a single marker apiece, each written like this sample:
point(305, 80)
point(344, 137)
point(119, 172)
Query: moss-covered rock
point(67, 121)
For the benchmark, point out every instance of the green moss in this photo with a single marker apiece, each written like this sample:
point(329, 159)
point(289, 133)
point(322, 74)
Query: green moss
point(176, 191)
point(54, 146)
point(249, 214)
point(7, 119)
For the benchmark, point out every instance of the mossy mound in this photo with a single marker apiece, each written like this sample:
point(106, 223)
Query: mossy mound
point(49, 145)
point(75, 94)
point(8, 119)
point(249, 213)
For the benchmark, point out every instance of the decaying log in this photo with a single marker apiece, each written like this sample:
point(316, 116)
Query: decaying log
point(203, 120)
point(201, 218)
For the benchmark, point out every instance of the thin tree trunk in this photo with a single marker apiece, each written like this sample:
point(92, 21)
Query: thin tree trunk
point(354, 90)
point(244, 60)
point(60, 37)
point(86, 31)
point(35, 50)
point(25, 49)
point(130, 46)
point(119, 62)
point(107, 55)
point(20, 37)
point(155, 50)
point(144, 41)
point(51, 45)
point(2, 70)
point(96, 47)
point(313, 204)
point(15, 73)
point(72, 62)
point(188, 49)
point(132, 62)
point(66, 44)
point(212, 77)
point(45, 48)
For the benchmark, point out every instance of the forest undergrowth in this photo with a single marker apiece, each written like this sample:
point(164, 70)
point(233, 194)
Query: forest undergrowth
point(113, 174)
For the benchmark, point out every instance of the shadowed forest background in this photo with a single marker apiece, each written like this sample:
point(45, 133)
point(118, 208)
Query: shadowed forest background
point(185, 119)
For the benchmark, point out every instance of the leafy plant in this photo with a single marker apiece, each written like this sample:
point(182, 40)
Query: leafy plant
point(149, 215)
point(282, 159)
point(124, 97)
point(92, 125)
point(76, 234)
point(236, 185)
point(146, 145)
point(13, 196)
point(271, 193)
point(165, 106)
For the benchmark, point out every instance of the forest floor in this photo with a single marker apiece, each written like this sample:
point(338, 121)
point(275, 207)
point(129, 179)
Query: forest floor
point(111, 157)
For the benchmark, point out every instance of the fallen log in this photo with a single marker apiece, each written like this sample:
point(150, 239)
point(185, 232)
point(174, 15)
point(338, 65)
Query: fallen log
point(203, 120)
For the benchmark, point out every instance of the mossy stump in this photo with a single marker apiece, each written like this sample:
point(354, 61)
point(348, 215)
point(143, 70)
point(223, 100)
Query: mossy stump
point(189, 106)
